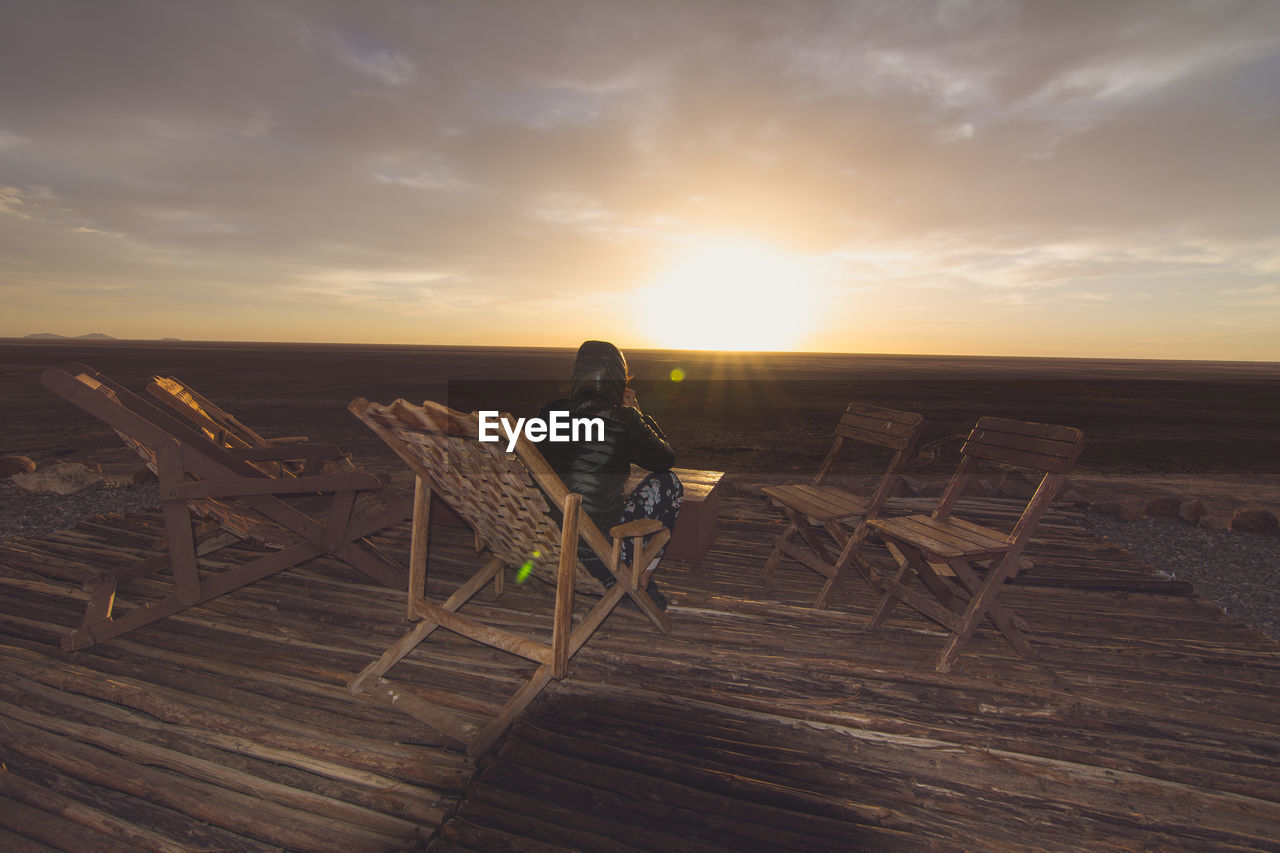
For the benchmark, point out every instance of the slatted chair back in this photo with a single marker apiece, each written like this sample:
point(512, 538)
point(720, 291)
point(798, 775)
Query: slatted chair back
point(143, 426)
point(145, 429)
point(502, 496)
point(271, 455)
point(1044, 449)
point(218, 424)
point(1024, 444)
point(875, 425)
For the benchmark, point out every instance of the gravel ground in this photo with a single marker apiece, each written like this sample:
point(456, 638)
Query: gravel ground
point(26, 514)
point(1240, 572)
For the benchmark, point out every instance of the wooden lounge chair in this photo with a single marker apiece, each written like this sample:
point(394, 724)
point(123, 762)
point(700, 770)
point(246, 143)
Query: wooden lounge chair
point(299, 517)
point(226, 429)
point(947, 552)
point(504, 497)
point(817, 507)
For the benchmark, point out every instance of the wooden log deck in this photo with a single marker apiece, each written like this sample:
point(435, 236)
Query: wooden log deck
point(1148, 720)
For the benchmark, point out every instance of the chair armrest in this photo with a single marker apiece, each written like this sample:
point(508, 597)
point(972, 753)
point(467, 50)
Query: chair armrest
point(639, 527)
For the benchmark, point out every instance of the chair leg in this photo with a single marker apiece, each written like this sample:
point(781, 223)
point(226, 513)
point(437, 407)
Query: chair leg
point(850, 553)
point(979, 606)
point(410, 640)
point(636, 583)
point(517, 703)
point(418, 541)
point(369, 560)
point(775, 556)
point(1005, 620)
point(890, 598)
point(106, 628)
point(811, 537)
point(562, 626)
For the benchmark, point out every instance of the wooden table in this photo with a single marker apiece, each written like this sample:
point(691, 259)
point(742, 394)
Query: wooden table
point(696, 527)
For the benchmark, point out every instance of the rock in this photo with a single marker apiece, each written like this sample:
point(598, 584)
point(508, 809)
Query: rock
point(1255, 521)
point(1016, 485)
point(933, 490)
point(1211, 522)
point(1191, 511)
point(915, 488)
point(1132, 509)
point(980, 488)
point(16, 465)
point(1105, 507)
point(143, 475)
point(1163, 507)
point(63, 478)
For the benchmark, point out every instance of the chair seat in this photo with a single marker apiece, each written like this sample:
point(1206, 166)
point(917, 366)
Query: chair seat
point(953, 537)
point(820, 504)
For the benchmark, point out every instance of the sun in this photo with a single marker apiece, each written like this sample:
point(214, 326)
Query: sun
point(729, 294)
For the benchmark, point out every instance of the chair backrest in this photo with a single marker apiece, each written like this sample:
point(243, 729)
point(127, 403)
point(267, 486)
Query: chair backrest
point(502, 496)
point(876, 425)
point(218, 424)
point(141, 424)
point(1045, 449)
point(1024, 444)
point(145, 428)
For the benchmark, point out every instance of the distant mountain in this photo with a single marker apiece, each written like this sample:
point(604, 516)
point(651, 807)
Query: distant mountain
point(92, 336)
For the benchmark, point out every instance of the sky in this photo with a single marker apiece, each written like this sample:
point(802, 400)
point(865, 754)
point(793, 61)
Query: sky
point(1094, 178)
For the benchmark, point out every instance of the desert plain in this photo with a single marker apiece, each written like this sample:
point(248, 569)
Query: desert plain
point(1153, 428)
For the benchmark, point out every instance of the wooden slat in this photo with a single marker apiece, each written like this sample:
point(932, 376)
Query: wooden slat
point(820, 503)
point(1041, 447)
point(941, 537)
point(879, 426)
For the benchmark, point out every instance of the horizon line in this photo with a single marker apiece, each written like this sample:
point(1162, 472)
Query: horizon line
point(106, 340)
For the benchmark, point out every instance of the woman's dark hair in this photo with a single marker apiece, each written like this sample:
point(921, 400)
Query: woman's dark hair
point(600, 373)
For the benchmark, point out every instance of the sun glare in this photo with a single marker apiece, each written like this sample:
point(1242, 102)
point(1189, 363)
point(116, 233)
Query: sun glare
point(729, 295)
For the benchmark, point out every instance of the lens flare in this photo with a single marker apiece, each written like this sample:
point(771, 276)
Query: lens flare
point(522, 574)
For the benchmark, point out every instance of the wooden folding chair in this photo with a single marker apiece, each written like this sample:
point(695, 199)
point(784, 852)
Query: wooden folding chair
point(817, 508)
point(948, 553)
point(226, 429)
point(300, 517)
point(503, 496)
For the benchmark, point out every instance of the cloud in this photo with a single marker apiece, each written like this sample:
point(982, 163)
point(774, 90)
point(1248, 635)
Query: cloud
point(543, 153)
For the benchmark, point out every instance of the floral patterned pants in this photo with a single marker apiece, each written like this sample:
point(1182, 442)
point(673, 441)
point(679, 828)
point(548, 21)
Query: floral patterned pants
point(659, 496)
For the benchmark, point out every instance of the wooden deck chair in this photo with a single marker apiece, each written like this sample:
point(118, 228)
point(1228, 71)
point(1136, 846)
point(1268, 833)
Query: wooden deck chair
point(504, 497)
point(299, 517)
point(226, 429)
point(817, 508)
point(946, 552)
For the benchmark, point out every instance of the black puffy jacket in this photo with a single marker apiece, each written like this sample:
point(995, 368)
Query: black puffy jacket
point(597, 470)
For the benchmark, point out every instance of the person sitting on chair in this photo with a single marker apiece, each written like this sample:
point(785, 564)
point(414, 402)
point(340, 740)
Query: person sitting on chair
point(598, 470)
